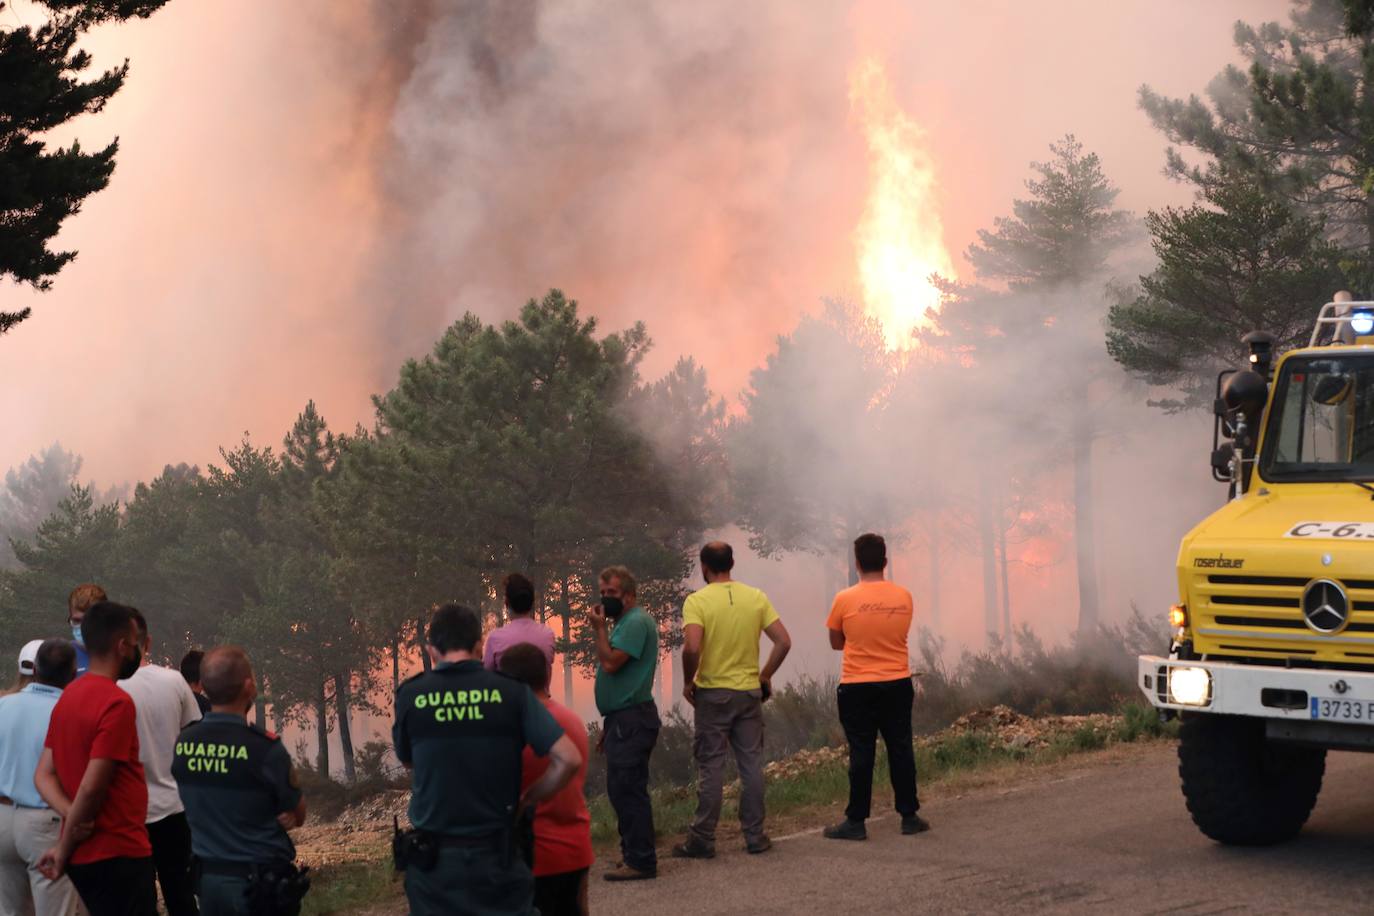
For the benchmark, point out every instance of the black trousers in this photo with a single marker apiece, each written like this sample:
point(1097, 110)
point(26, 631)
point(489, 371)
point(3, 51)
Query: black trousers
point(116, 887)
point(171, 839)
point(867, 710)
point(561, 894)
point(471, 881)
point(630, 738)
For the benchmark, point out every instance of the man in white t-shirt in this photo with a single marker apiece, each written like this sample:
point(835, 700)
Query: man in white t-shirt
point(164, 705)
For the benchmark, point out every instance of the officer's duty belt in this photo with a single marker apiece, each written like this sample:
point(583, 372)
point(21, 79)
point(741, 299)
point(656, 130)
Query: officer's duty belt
point(469, 842)
point(245, 870)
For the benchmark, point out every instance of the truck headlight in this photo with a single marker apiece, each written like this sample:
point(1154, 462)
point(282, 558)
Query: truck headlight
point(1190, 686)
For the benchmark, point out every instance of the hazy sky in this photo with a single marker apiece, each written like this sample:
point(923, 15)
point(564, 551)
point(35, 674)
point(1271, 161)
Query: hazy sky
point(307, 192)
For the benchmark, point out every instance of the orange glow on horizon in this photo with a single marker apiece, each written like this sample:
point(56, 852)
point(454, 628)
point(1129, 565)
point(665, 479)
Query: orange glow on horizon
point(899, 241)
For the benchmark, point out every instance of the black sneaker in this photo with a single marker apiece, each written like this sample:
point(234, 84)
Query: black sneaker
point(762, 844)
point(914, 824)
point(846, 830)
point(691, 849)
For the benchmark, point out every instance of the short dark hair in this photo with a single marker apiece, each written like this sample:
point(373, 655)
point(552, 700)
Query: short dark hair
point(105, 622)
point(718, 557)
point(141, 622)
point(55, 664)
point(526, 663)
point(455, 627)
point(190, 666)
point(870, 552)
point(223, 671)
point(519, 593)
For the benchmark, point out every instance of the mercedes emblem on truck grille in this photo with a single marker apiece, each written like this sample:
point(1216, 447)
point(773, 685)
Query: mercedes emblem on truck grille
point(1325, 606)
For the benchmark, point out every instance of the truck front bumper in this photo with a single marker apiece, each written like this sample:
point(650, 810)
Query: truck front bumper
point(1260, 690)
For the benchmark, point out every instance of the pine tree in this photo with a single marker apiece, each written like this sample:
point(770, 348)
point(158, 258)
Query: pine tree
point(1053, 253)
point(1240, 260)
point(1297, 121)
point(157, 521)
point(73, 545)
point(808, 463)
point(1063, 233)
point(519, 447)
point(31, 493)
point(302, 626)
point(40, 70)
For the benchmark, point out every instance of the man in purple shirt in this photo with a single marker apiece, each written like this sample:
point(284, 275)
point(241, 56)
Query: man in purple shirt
point(522, 626)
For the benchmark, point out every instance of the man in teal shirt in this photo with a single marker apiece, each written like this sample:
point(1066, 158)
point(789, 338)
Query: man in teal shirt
point(627, 650)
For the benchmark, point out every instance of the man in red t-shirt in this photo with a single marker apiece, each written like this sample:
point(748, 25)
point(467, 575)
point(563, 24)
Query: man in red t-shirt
point(91, 775)
point(562, 824)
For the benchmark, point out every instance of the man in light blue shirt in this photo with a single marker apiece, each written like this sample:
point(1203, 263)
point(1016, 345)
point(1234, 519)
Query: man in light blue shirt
point(28, 826)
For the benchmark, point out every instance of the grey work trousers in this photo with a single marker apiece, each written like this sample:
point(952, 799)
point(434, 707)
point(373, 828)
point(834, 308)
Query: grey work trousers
point(25, 834)
point(728, 720)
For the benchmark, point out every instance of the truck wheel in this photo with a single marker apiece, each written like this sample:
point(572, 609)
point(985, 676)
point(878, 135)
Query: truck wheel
point(1242, 789)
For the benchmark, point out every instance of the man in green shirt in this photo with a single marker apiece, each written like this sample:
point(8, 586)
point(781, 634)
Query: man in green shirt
point(627, 652)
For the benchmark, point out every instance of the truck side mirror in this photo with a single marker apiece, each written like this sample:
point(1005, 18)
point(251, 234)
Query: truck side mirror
point(1246, 391)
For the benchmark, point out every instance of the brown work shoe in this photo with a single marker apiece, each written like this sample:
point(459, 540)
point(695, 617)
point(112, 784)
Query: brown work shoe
point(762, 844)
point(630, 873)
point(691, 849)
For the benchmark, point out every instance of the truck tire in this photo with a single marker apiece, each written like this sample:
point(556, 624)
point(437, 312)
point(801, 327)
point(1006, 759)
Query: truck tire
point(1242, 789)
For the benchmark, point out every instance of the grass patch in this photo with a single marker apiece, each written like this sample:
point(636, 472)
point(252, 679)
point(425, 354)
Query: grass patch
point(345, 888)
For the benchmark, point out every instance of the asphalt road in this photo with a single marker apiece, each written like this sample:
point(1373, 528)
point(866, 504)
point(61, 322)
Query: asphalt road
point(1110, 834)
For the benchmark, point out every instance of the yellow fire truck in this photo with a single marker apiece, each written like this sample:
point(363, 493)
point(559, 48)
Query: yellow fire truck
point(1272, 655)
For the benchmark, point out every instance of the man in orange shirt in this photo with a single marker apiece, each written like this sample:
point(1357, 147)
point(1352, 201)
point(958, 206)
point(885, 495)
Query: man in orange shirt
point(869, 622)
point(562, 824)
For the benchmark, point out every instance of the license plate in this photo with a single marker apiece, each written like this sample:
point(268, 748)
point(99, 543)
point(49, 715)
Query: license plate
point(1342, 710)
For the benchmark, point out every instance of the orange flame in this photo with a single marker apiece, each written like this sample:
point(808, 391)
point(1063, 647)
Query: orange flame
point(899, 239)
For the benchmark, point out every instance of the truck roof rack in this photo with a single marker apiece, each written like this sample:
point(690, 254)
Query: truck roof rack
point(1339, 315)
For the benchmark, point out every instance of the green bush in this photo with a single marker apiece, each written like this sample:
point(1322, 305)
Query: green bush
point(1086, 675)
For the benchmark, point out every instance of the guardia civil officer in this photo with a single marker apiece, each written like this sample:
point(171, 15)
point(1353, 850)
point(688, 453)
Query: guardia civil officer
point(241, 796)
point(462, 728)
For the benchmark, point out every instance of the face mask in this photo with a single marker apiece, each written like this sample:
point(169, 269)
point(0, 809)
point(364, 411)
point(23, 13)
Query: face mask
point(129, 667)
point(76, 632)
point(613, 607)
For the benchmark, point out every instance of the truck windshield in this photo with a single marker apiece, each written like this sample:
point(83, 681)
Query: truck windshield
point(1321, 422)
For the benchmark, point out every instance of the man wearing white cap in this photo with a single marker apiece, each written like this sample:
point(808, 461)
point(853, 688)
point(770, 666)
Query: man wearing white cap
point(26, 657)
point(27, 825)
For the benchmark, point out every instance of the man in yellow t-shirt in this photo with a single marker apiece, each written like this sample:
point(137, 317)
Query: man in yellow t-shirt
point(721, 627)
point(869, 622)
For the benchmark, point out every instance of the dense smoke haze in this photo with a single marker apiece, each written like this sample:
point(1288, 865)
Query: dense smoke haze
point(308, 193)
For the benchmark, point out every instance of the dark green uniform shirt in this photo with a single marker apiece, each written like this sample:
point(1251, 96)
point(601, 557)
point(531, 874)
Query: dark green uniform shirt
point(463, 729)
point(234, 779)
point(635, 634)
